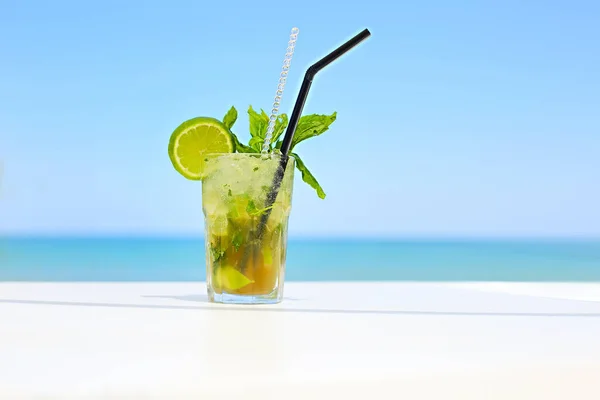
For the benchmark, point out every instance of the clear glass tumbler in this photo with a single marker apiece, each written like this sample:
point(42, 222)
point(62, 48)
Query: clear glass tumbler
point(245, 237)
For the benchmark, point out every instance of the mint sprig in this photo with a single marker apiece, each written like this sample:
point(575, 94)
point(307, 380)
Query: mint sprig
point(308, 126)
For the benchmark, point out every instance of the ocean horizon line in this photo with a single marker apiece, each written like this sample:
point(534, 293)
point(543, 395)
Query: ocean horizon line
point(315, 238)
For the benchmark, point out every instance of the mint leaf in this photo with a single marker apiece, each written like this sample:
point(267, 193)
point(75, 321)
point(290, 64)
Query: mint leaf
point(230, 118)
point(312, 125)
point(263, 114)
point(253, 211)
point(256, 144)
point(237, 240)
point(308, 177)
point(217, 253)
point(251, 207)
point(258, 123)
point(240, 147)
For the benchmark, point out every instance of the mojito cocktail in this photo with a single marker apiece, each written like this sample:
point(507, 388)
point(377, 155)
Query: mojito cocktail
point(245, 259)
point(246, 193)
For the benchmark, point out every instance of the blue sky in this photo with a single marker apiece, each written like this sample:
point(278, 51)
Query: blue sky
point(454, 119)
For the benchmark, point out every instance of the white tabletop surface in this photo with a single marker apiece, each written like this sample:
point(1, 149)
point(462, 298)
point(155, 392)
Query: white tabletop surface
point(326, 340)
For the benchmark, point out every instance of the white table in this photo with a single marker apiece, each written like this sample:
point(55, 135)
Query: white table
point(327, 340)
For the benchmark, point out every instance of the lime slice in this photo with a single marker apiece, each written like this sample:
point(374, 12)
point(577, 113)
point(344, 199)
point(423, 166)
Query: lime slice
point(195, 138)
point(229, 278)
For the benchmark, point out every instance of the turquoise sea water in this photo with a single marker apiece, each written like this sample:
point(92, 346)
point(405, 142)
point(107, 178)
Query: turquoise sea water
point(118, 259)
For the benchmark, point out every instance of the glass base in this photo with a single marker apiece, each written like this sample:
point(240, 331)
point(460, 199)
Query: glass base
point(227, 298)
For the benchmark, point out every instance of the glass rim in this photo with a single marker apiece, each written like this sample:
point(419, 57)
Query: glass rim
point(247, 154)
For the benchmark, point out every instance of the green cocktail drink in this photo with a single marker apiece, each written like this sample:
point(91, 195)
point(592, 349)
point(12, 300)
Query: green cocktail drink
point(245, 263)
point(246, 194)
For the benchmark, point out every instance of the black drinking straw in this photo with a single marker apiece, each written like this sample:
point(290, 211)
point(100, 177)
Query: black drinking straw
point(295, 117)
